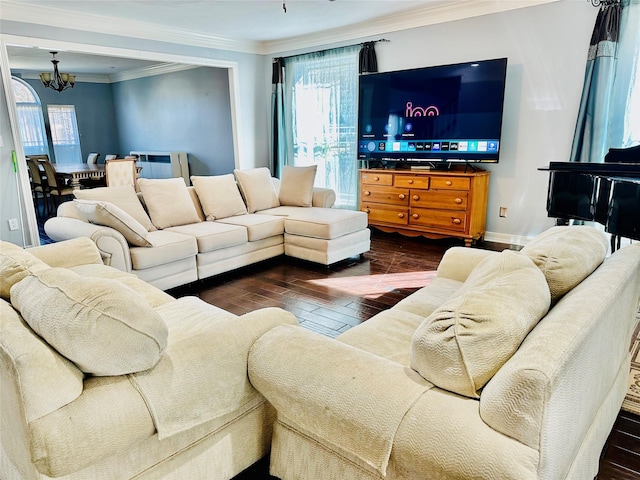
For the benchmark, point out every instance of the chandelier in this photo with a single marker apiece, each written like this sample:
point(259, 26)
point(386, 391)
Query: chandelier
point(57, 81)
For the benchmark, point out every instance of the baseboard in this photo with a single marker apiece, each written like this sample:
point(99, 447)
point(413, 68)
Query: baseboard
point(507, 238)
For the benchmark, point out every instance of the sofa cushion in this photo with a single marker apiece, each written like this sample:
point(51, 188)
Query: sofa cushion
point(219, 196)
point(213, 235)
point(258, 226)
point(465, 341)
point(327, 223)
point(257, 188)
point(123, 196)
point(101, 325)
point(567, 255)
point(296, 186)
point(15, 264)
point(168, 246)
point(48, 380)
point(109, 215)
point(168, 202)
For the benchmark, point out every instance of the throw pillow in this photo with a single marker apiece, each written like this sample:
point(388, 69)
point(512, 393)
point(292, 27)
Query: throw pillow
point(567, 255)
point(15, 264)
point(296, 187)
point(466, 340)
point(257, 189)
point(124, 197)
point(101, 325)
point(107, 214)
point(219, 196)
point(168, 201)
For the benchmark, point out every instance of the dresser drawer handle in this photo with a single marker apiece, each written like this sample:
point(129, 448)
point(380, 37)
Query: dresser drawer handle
point(416, 216)
point(410, 182)
point(458, 200)
point(402, 196)
point(367, 210)
point(448, 183)
point(457, 221)
point(416, 197)
point(401, 215)
point(376, 178)
point(367, 193)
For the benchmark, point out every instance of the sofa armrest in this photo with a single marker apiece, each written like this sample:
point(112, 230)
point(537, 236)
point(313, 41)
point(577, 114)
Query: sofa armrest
point(323, 197)
point(348, 397)
point(113, 247)
point(69, 253)
point(457, 262)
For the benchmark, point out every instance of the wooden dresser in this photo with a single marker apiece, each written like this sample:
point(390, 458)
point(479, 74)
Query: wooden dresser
point(434, 204)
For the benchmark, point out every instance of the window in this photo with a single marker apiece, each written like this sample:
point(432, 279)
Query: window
point(321, 95)
point(64, 133)
point(30, 119)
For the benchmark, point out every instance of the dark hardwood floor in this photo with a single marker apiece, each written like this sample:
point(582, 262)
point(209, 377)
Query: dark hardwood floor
point(330, 300)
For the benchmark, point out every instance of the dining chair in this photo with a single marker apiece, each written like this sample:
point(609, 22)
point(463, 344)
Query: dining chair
point(38, 186)
point(58, 185)
point(111, 156)
point(121, 171)
point(92, 159)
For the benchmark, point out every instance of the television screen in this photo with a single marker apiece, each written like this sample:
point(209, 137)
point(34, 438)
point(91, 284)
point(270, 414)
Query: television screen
point(449, 113)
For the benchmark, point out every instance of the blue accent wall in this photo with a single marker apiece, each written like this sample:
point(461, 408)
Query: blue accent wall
point(188, 111)
point(95, 115)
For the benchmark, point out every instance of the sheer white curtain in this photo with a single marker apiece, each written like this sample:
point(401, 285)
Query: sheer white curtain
point(321, 109)
point(30, 119)
point(64, 133)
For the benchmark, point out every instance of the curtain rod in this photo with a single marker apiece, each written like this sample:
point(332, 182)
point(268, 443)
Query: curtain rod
point(383, 40)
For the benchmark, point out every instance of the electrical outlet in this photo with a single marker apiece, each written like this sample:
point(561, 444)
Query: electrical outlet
point(503, 212)
point(13, 224)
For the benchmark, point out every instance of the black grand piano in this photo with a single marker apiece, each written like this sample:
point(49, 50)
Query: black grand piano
point(607, 193)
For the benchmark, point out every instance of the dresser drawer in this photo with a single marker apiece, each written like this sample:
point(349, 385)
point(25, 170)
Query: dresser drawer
point(442, 200)
point(409, 181)
point(442, 219)
point(369, 178)
point(388, 215)
point(386, 195)
point(450, 183)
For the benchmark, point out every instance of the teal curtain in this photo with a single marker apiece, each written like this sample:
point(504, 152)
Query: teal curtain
point(608, 113)
point(278, 152)
point(624, 122)
point(320, 118)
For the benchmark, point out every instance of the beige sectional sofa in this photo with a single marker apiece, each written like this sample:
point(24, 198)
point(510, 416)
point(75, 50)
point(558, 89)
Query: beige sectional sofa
point(174, 234)
point(508, 365)
point(107, 377)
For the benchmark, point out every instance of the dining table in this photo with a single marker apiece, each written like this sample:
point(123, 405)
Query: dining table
point(81, 171)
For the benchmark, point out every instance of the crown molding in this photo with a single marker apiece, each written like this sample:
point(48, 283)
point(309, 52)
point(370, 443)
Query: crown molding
point(430, 15)
point(54, 17)
point(425, 16)
point(150, 71)
point(83, 78)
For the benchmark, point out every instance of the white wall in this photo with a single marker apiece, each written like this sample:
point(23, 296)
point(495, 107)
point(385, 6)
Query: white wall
point(546, 47)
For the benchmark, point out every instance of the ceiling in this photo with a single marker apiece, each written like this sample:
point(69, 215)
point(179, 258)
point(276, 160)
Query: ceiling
point(254, 26)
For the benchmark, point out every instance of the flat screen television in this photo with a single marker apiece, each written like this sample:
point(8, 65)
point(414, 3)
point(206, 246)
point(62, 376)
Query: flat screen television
point(434, 115)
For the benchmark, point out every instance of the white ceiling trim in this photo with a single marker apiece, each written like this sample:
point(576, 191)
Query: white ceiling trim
point(417, 18)
point(86, 77)
point(60, 18)
point(401, 21)
point(149, 71)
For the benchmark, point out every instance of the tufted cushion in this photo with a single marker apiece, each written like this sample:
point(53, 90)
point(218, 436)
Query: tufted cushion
point(168, 202)
point(124, 197)
point(219, 196)
point(101, 325)
point(15, 264)
point(465, 341)
point(296, 187)
point(567, 255)
point(109, 215)
point(257, 189)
